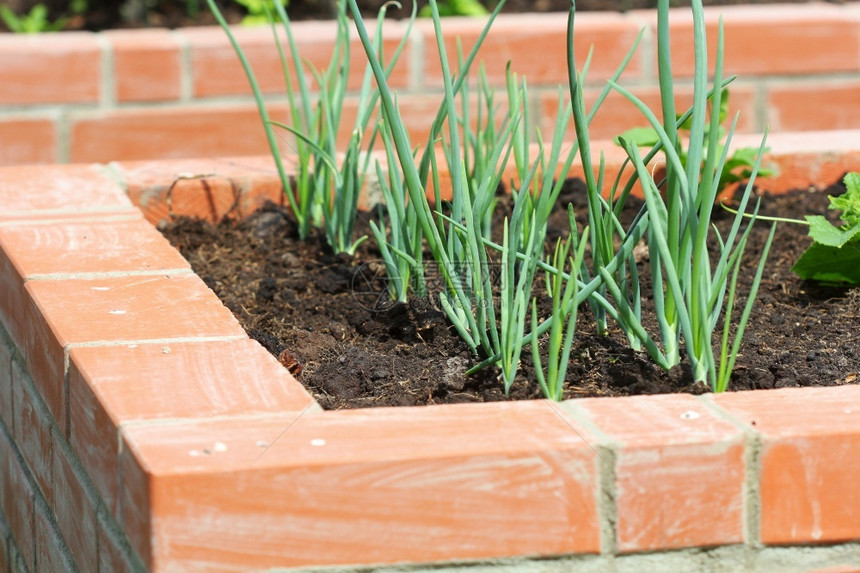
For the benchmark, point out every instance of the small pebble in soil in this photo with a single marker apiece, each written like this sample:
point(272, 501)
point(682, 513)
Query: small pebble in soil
point(268, 224)
point(380, 374)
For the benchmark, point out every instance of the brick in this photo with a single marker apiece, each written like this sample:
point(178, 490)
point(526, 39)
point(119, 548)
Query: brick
point(315, 483)
point(835, 104)
point(133, 308)
point(83, 246)
point(51, 551)
point(762, 41)
point(5, 549)
point(418, 111)
point(809, 458)
point(31, 429)
point(617, 114)
point(113, 555)
point(50, 68)
point(69, 247)
point(234, 186)
point(58, 189)
point(147, 65)
point(65, 312)
point(27, 141)
point(535, 44)
point(13, 300)
point(74, 513)
point(17, 501)
point(679, 472)
point(111, 386)
point(16, 561)
point(5, 379)
point(216, 70)
point(800, 162)
point(175, 132)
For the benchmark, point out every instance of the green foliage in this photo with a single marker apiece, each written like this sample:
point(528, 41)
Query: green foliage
point(562, 290)
point(259, 11)
point(324, 192)
point(692, 293)
point(849, 202)
point(456, 8)
point(36, 21)
point(690, 290)
point(737, 167)
point(834, 256)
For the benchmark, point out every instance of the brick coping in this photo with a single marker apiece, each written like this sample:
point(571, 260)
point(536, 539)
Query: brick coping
point(206, 454)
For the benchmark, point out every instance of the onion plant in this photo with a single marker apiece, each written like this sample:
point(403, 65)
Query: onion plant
point(415, 175)
point(562, 290)
point(457, 238)
point(603, 209)
point(398, 234)
point(324, 191)
point(689, 290)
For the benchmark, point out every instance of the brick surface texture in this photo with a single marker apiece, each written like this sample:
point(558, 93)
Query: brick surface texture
point(153, 94)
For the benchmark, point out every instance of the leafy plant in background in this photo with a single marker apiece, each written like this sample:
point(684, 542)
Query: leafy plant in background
point(36, 20)
point(689, 291)
point(834, 256)
point(455, 8)
point(737, 167)
point(259, 11)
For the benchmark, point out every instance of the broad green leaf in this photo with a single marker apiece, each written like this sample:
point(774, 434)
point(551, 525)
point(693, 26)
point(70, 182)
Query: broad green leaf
point(822, 232)
point(852, 183)
point(849, 202)
point(641, 136)
point(830, 264)
point(456, 8)
point(724, 111)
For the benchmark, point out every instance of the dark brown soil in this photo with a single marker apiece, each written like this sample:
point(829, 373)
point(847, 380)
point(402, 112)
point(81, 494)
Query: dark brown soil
point(111, 14)
point(352, 353)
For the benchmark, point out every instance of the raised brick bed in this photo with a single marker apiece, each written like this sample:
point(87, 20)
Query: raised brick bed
point(142, 429)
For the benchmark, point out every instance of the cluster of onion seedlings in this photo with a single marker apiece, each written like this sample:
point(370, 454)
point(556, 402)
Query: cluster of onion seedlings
point(692, 293)
point(324, 191)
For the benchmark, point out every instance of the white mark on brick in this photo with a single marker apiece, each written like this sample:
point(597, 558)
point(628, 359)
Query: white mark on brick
point(118, 311)
point(317, 442)
point(165, 350)
point(132, 346)
point(195, 453)
point(220, 447)
point(100, 288)
point(690, 415)
point(262, 444)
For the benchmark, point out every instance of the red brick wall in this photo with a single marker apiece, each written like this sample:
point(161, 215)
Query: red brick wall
point(150, 94)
